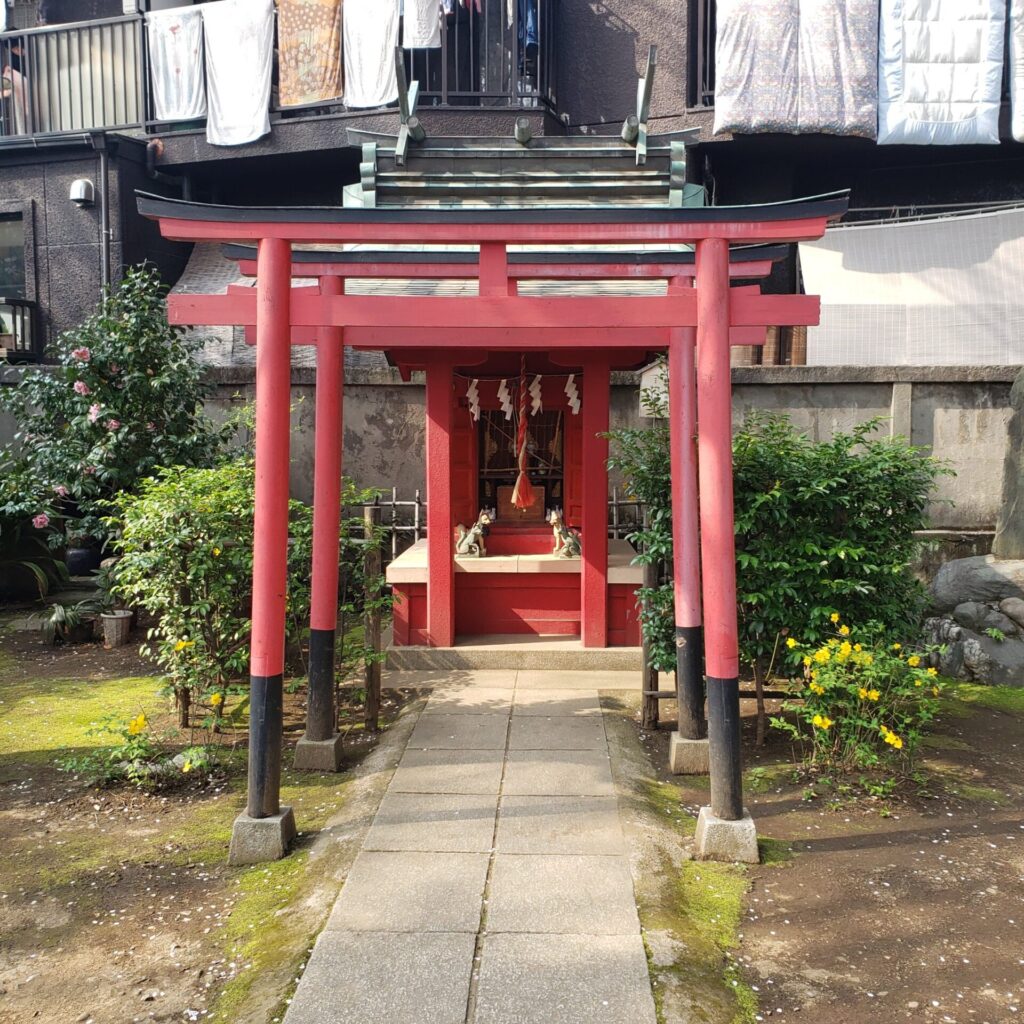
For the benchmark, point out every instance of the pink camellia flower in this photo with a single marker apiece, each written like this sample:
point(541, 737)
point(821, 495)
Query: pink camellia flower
point(81, 388)
point(151, 425)
point(114, 368)
point(89, 470)
point(113, 424)
point(94, 413)
point(61, 491)
point(81, 354)
point(41, 521)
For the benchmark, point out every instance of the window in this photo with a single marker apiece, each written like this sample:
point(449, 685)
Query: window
point(12, 256)
point(702, 53)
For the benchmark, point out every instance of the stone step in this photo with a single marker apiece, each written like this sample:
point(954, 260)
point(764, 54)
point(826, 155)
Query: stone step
point(515, 652)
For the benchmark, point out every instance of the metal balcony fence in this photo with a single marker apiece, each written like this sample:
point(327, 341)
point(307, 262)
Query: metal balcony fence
point(93, 76)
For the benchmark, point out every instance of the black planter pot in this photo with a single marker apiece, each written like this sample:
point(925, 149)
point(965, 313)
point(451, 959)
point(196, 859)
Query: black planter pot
point(82, 561)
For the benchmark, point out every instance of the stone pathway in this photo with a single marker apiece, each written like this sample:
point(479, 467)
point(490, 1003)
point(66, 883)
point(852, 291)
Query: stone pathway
point(494, 885)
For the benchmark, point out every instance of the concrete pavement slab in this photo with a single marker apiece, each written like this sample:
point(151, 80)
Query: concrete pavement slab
point(564, 979)
point(535, 679)
point(558, 773)
point(533, 733)
point(551, 703)
point(412, 892)
point(560, 825)
point(462, 823)
point(460, 732)
point(568, 895)
point(448, 679)
point(449, 771)
point(471, 700)
point(385, 978)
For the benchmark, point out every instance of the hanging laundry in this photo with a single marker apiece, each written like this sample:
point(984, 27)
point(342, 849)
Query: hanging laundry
point(940, 72)
point(239, 57)
point(1017, 68)
point(421, 24)
point(797, 66)
point(176, 63)
point(371, 35)
point(309, 51)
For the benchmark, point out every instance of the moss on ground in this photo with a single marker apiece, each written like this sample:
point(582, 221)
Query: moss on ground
point(269, 927)
point(1007, 699)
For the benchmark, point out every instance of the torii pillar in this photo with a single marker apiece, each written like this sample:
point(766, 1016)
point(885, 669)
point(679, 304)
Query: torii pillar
point(725, 831)
point(264, 829)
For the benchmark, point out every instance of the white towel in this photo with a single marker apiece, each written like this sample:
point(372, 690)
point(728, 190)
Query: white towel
point(421, 25)
point(239, 56)
point(371, 34)
point(176, 63)
point(1017, 68)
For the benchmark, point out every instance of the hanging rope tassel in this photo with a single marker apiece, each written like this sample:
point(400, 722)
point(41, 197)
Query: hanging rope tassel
point(523, 495)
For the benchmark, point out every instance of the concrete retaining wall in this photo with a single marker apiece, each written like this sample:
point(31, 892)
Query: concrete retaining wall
point(960, 414)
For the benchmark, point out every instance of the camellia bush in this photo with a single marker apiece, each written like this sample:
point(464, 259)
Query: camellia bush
point(820, 525)
point(185, 545)
point(863, 702)
point(125, 398)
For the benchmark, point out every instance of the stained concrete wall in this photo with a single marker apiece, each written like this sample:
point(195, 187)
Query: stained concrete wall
point(959, 414)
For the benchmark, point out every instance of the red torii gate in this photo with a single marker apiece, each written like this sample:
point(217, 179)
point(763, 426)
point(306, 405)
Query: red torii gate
point(693, 323)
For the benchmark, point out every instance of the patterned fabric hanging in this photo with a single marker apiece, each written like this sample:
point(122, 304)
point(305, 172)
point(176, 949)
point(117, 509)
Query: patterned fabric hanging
point(573, 394)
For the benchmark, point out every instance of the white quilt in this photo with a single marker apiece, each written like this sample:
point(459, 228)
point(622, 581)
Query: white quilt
point(176, 63)
point(940, 71)
point(1017, 67)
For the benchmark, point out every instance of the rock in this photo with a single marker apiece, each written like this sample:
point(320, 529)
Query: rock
point(981, 578)
point(971, 614)
point(1013, 608)
point(997, 620)
point(1009, 539)
point(993, 662)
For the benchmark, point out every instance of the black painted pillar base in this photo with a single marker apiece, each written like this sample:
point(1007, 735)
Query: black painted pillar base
point(266, 720)
point(320, 716)
point(690, 682)
point(724, 741)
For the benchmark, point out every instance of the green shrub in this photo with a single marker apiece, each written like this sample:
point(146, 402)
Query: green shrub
point(819, 525)
point(863, 700)
point(125, 398)
point(185, 541)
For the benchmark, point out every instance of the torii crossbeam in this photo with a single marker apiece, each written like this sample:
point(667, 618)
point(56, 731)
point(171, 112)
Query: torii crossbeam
point(693, 323)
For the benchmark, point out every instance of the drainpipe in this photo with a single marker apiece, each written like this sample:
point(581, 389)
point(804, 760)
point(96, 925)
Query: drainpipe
point(99, 143)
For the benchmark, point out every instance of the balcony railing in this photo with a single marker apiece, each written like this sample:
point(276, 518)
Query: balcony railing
point(91, 76)
point(20, 340)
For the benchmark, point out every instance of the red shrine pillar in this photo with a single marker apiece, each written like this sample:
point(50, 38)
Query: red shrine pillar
point(264, 831)
point(594, 574)
point(718, 545)
point(440, 537)
point(682, 392)
point(320, 747)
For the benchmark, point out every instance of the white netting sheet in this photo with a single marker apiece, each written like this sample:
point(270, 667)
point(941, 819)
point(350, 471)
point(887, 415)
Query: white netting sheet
point(943, 292)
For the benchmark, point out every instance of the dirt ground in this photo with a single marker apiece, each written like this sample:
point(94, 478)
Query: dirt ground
point(117, 906)
point(905, 908)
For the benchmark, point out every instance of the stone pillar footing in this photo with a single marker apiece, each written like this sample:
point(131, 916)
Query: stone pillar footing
point(688, 757)
point(719, 839)
point(318, 755)
point(258, 840)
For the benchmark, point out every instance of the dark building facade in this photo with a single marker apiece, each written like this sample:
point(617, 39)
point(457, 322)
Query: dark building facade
point(581, 79)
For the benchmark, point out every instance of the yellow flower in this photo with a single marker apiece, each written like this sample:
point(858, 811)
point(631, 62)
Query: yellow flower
point(834, 616)
point(846, 650)
point(913, 661)
point(817, 688)
point(187, 766)
point(862, 693)
point(137, 724)
point(873, 695)
point(884, 730)
point(791, 643)
point(935, 691)
point(807, 659)
point(216, 700)
point(821, 722)
point(919, 682)
point(897, 647)
point(844, 630)
point(216, 552)
point(182, 644)
point(933, 671)
point(822, 655)
point(868, 659)
point(857, 647)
